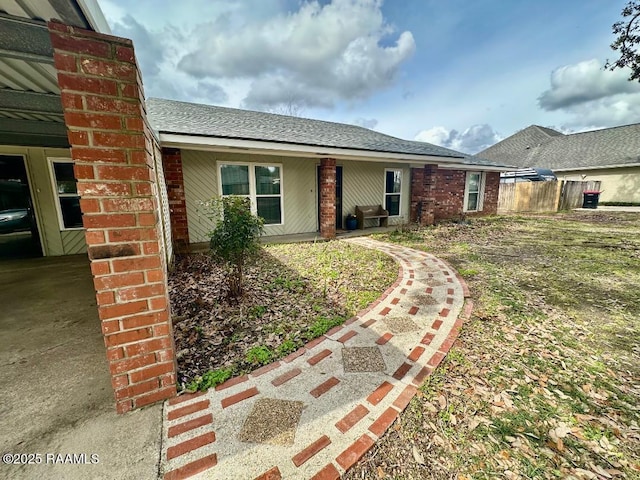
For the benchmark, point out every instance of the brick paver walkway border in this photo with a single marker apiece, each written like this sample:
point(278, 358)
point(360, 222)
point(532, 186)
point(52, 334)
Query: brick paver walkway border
point(398, 341)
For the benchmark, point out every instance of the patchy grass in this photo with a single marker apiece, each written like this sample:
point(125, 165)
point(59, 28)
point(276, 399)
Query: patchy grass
point(544, 381)
point(294, 293)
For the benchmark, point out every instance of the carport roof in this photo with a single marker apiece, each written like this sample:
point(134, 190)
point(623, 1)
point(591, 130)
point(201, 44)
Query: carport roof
point(30, 107)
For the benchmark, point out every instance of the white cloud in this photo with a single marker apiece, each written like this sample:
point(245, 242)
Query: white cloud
point(592, 96)
point(583, 82)
point(471, 140)
point(316, 55)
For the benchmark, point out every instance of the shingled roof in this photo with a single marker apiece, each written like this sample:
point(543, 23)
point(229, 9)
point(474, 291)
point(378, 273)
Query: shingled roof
point(546, 148)
point(174, 117)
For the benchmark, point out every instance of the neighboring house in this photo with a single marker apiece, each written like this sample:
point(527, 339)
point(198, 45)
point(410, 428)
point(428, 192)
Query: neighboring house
point(83, 170)
point(285, 163)
point(610, 155)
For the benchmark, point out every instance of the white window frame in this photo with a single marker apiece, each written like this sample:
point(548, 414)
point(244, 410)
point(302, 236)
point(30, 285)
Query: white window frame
point(385, 194)
point(58, 196)
point(252, 186)
point(480, 191)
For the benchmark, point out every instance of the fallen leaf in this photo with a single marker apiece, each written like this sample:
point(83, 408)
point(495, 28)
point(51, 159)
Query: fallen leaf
point(600, 471)
point(417, 456)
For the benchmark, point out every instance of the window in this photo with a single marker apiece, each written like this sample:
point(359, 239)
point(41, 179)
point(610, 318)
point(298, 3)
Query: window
point(392, 191)
point(65, 188)
point(262, 184)
point(473, 192)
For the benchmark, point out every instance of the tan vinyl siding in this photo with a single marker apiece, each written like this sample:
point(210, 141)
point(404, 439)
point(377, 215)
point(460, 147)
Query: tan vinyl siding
point(200, 171)
point(73, 242)
point(618, 184)
point(54, 241)
point(200, 184)
point(363, 184)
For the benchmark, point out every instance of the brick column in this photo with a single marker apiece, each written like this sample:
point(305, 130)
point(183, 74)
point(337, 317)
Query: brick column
point(172, 163)
point(328, 198)
point(423, 183)
point(112, 147)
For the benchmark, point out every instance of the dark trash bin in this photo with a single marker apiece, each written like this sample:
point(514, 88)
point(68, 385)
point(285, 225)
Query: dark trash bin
point(590, 199)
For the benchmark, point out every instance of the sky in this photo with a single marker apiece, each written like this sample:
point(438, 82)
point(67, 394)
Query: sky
point(463, 74)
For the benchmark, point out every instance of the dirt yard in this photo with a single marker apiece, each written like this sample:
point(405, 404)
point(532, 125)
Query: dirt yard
point(293, 294)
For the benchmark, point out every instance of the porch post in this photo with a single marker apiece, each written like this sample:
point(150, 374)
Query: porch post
point(328, 198)
point(172, 163)
point(112, 148)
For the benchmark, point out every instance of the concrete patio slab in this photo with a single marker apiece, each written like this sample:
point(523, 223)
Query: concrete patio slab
point(57, 397)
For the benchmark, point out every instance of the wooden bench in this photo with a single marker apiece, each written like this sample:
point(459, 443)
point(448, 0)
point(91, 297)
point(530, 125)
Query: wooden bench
point(371, 211)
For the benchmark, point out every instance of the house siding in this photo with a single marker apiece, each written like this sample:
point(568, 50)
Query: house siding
point(618, 184)
point(200, 171)
point(54, 241)
point(363, 184)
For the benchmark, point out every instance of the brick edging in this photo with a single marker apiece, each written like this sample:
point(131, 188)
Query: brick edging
point(354, 452)
point(400, 393)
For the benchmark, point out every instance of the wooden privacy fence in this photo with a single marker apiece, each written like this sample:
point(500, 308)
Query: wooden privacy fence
point(542, 196)
point(572, 193)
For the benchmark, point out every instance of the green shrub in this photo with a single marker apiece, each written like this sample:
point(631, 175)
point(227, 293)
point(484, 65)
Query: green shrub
point(235, 236)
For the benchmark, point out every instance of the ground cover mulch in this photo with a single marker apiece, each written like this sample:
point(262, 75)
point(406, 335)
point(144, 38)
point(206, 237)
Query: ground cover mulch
point(293, 293)
point(544, 381)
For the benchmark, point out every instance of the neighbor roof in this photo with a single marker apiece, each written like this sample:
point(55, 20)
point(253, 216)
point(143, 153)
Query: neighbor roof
point(173, 117)
point(545, 148)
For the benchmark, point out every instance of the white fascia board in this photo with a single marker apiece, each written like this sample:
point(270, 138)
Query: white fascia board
point(94, 15)
point(604, 167)
point(475, 168)
point(216, 144)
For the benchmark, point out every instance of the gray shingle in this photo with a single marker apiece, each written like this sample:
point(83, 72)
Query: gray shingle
point(170, 116)
point(533, 147)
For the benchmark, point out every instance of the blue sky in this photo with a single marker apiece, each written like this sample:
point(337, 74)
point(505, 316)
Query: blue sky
point(458, 73)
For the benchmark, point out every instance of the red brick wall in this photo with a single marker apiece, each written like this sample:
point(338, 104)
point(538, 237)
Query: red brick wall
point(328, 198)
point(423, 184)
point(449, 194)
point(172, 163)
point(112, 149)
point(491, 191)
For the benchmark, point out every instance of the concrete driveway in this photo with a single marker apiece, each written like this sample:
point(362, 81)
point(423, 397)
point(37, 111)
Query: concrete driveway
point(56, 396)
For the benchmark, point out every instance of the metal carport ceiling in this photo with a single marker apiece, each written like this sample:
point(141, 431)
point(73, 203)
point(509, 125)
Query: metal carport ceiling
point(30, 108)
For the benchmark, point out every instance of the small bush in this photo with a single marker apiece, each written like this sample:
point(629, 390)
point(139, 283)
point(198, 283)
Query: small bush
point(235, 236)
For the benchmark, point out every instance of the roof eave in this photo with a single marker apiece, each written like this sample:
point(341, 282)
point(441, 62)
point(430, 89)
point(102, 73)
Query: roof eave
point(477, 167)
point(599, 167)
point(219, 144)
point(94, 15)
